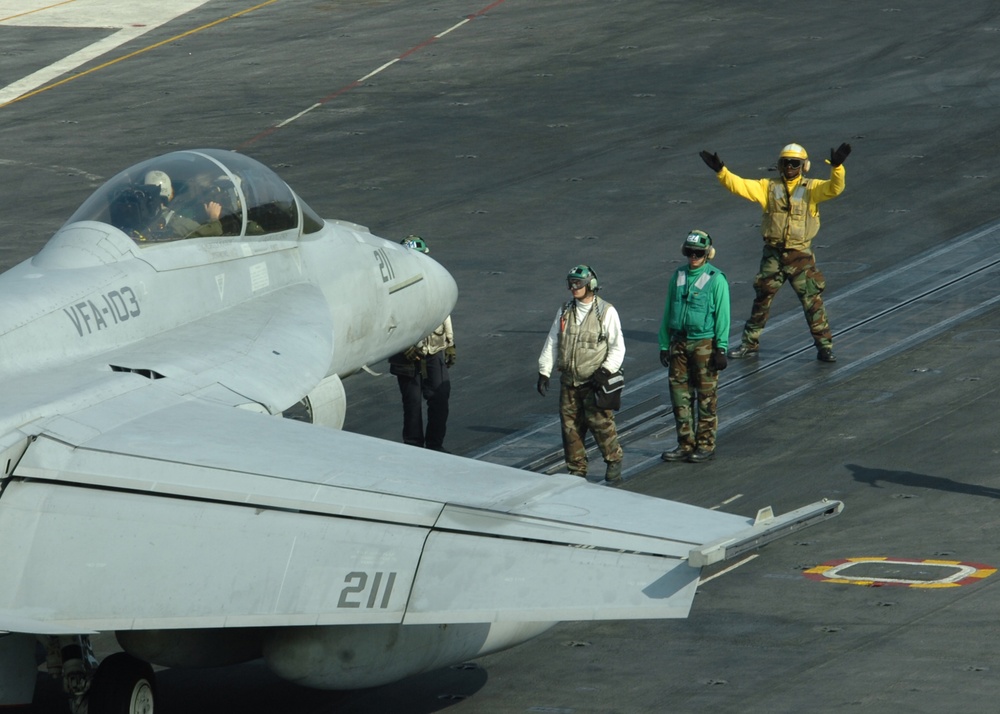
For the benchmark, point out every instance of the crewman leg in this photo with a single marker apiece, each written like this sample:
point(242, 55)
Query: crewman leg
point(766, 284)
point(574, 425)
point(809, 283)
point(436, 390)
point(679, 380)
point(413, 420)
point(602, 423)
point(705, 380)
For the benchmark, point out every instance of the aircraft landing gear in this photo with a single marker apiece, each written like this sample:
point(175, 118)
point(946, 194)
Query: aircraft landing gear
point(122, 685)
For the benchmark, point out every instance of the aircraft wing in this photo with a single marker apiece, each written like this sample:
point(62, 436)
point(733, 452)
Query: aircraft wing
point(268, 350)
point(153, 509)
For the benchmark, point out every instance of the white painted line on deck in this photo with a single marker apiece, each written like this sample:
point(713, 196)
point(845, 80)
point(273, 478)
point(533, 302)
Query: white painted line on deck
point(729, 500)
point(374, 72)
point(127, 21)
point(452, 28)
point(358, 82)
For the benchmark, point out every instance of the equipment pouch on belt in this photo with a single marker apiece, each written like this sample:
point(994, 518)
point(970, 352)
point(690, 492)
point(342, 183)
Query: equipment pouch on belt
point(401, 366)
point(608, 388)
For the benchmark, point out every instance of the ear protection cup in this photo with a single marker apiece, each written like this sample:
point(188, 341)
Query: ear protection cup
point(806, 165)
point(711, 252)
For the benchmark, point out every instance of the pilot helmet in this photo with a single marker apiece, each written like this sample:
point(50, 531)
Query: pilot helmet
point(415, 242)
point(160, 178)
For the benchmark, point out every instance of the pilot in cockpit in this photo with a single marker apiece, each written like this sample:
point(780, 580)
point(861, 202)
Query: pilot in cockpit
point(154, 207)
point(173, 222)
point(223, 193)
point(148, 212)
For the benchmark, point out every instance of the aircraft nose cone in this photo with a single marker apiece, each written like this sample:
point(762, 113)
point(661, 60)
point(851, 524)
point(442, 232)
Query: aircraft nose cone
point(441, 286)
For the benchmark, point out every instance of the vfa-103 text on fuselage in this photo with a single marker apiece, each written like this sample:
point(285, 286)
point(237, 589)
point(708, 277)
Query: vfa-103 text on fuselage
point(148, 489)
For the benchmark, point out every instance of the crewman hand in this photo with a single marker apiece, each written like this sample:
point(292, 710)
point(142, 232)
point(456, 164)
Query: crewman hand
point(665, 358)
point(412, 354)
point(719, 360)
point(715, 163)
point(840, 154)
point(543, 384)
point(449, 355)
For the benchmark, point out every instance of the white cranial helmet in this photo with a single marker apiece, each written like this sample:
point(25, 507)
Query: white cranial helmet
point(159, 178)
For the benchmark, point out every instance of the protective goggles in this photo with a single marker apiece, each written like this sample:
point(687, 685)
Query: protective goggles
point(693, 252)
point(577, 284)
point(791, 163)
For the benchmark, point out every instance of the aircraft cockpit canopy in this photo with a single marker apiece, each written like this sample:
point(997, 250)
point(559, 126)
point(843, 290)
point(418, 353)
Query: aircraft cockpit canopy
point(194, 194)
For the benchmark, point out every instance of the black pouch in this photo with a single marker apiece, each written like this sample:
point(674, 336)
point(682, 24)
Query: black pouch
point(400, 366)
point(608, 388)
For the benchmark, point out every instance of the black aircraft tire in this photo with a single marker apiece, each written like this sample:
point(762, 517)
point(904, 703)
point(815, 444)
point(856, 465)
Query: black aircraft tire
point(122, 685)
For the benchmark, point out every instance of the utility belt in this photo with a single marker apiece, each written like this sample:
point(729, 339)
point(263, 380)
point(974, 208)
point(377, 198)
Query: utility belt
point(779, 245)
point(681, 336)
point(408, 364)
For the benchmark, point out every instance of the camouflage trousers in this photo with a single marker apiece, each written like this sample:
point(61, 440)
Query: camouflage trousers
point(799, 269)
point(693, 383)
point(578, 411)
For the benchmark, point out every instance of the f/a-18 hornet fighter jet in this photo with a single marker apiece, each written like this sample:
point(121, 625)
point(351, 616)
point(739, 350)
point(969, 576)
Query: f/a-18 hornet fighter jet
point(150, 488)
